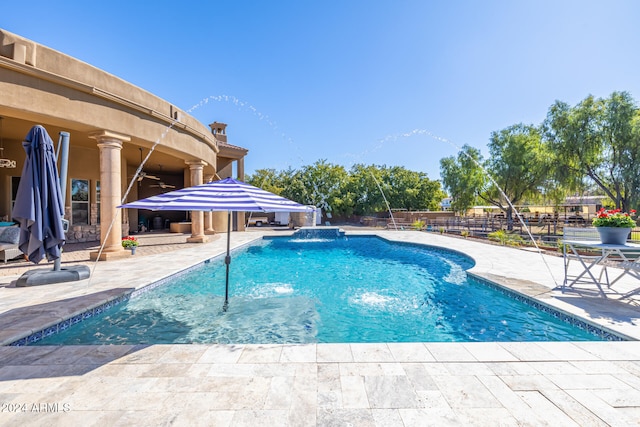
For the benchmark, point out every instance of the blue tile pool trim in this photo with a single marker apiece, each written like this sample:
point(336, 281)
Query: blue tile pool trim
point(596, 330)
point(88, 314)
point(65, 324)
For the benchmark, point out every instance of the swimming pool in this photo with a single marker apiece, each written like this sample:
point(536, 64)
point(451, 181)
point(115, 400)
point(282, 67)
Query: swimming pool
point(355, 289)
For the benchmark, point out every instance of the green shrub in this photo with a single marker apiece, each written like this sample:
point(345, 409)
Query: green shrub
point(417, 224)
point(506, 239)
point(498, 236)
point(515, 240)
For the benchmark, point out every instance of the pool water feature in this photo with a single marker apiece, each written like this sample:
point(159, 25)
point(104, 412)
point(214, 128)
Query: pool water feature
point(308, 290)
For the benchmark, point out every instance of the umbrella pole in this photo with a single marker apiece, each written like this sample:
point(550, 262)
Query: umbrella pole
point(63, 145)
point(227, 261)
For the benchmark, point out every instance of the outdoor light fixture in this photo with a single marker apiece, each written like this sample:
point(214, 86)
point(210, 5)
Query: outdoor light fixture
point(4, 163)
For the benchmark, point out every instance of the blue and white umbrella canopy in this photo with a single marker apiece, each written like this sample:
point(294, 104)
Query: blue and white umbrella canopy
point(226, 195)
point(38, 206)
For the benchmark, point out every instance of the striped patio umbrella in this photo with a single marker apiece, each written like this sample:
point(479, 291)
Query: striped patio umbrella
point(228, 195)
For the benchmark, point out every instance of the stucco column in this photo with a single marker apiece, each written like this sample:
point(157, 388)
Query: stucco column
point(110, 145)
point(208, 216)
point(197, 217)
point(240, 166)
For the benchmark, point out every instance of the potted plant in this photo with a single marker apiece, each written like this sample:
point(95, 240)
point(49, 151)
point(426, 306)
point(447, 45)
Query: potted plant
point(614, 225)
point(130, 243)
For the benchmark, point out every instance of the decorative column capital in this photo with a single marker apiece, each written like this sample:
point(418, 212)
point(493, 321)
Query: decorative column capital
point(196, 164)
point(108, 138)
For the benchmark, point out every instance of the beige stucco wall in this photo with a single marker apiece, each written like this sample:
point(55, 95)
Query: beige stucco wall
point(39, 85)
point(73, 94)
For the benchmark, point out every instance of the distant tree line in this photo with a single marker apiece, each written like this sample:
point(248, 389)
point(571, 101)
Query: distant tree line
point(360, 190)
point(592, 147)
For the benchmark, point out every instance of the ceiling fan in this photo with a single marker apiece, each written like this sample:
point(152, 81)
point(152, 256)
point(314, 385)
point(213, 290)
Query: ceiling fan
point(142, 175)
point(162, 185)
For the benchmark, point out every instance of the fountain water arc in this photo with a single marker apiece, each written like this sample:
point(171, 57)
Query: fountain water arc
point(395, 226)
point(201, 103)
point(493, 181)
point(264, 117)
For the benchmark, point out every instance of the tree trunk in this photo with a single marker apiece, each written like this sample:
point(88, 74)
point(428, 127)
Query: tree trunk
point(510, 219)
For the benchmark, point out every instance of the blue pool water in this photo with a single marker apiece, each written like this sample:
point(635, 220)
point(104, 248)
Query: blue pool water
point(357, 289)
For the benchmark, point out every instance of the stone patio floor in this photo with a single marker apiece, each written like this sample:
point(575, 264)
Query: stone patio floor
point(385, 384)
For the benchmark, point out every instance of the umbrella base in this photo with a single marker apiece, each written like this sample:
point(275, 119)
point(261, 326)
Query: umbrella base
point(47, 277)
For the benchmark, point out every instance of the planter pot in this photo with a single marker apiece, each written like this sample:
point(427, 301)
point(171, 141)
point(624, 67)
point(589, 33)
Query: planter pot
point(133, 250)
point(613, 235)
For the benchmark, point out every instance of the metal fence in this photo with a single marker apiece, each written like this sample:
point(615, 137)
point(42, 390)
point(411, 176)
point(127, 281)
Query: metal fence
point(547, 230)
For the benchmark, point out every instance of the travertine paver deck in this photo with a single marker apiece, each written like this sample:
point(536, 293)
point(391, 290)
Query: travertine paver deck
point(417, 384)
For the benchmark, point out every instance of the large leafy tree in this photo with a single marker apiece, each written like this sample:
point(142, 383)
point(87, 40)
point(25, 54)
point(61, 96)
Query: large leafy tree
point(518, 165)
point(598, 138)
point(363, 189)
point(630, 160)
point(294, 187)
point(622, 133)
point(515, 171)
point(326, 182)
point(411, 190)
point(463, 178)
point(267, 179)
point(379, 188)
point(320, 184)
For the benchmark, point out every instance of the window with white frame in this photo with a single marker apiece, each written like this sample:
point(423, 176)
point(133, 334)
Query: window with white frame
point(80, 201)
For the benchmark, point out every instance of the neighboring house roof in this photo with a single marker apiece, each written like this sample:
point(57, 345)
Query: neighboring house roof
point(584, 200)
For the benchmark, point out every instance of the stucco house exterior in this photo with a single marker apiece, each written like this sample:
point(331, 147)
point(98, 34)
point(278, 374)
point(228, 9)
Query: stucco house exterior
point(112, 125)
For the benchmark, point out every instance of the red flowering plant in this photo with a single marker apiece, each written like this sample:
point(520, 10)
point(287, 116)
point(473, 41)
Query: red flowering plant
point(614, 218)
point(129, 242)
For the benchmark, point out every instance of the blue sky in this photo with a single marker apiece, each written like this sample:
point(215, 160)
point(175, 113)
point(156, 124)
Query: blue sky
point(377, 82)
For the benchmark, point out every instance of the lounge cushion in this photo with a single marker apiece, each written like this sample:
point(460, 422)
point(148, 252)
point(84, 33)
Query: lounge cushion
point(10, 235)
